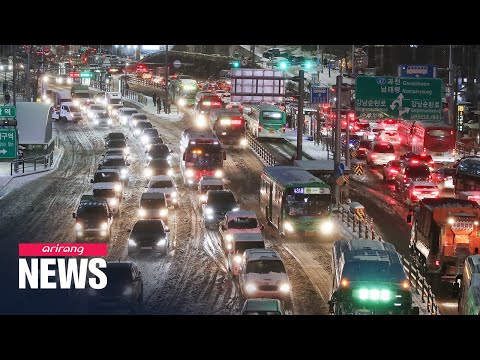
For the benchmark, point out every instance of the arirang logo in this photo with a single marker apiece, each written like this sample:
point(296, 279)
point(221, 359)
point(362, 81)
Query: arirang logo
point(43, 271)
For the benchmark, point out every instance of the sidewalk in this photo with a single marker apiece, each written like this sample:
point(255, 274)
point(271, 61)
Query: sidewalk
point(309, 148)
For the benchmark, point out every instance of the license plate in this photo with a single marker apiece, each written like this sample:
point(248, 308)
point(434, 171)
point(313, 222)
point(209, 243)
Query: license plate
point(310, 232)
point(146, 247)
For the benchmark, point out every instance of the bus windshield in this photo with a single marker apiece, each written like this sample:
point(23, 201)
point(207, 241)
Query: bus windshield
point(272, 115)
point(299, 205)
point(204, 158)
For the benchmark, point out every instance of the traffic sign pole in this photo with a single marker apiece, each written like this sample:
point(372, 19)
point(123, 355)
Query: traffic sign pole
point(300, 116)
point(337, 139)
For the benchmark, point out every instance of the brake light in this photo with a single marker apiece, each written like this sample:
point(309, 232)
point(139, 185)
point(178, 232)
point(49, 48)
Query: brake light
point(284, 127)
point(374, 155)
point(236, 122)
point(393, 171)
point(437, 262)
point(435, 193)
point(404, 178)
point(416, 193)
point(259, 128)
point(431, 162)
point(215, 103)
point(415, 161)
point(357, 127)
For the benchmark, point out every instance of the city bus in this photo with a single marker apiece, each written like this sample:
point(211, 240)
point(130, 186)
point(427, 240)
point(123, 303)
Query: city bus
point(295, 201)
point(467, 175)
point(186, 92)
point(201, 154)
point(266, 121)
point(469, 294)
point(431, 138)
point(368, 278)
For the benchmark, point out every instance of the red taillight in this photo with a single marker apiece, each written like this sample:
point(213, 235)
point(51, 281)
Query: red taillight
point(431, 162)
point(215, 103)
point(236, 122)
point(404, 178)
point(416, 193)
point(259, 128)
point(357, 128)
point(437, 262)
point(374, 155)
point(393, 171)
point(415, 161)
point(284, 127)
point(435, 193)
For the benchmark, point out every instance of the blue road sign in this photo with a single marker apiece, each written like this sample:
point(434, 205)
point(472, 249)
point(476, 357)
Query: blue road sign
point(418, 71)
point(319, 95)
point(340, 169)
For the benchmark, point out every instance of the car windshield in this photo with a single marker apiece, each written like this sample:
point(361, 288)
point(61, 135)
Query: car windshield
point(299, 205)
point(241, 246)
point(105, 193)
point(221, 198)
point(447, 172)
point(159, 163)
point(115, 101)
point(162, 184)
point(384, 148)
point(148, 227)
point(159, 151)
point(418, 171)
point(205, 188)
point(265, 266)
point(156, 140)
point(92, 211)
point(272, 115)
point(118, 274)
point(74, 109)
point(117, 144)
point(116, 136)
point(243, 223)
point(102, 116)
point(106, 177)
point(115, 152)
point(96, 107)
point(143, 125)
point(150, 132)
point(129, 112)
point(114, 162)
point(440, 133)
point(152, 203)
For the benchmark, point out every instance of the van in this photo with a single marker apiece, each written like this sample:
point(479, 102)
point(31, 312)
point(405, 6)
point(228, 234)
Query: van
point(67, 111)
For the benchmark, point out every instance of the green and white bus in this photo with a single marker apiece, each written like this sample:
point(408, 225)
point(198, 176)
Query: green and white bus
point(266, 121)
point(295, 201)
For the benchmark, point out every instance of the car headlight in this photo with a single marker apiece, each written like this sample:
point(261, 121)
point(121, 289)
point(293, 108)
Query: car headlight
point(189, 173)
point(144, 139)
point(169, 157)
point(327, 227)
point(170, 172)
point(110, 122)
point(112, 202)
point(76, 102)
point(229, 246)
point(182, 102)
point(229, 237)
point(59, 81)
point(209, 211)
point(118, 187)
point(78, 226)
point(288, 226)
point(92, 292)
point(126, 151)
point(69, 81)
point(148, 146)
point(128, 291)
point(235, 209)
point(141, 212)
point(124, 171)
point(218, 173)
point(285, 288)
point(173, 194)
point(237, 258)
point(137, 132)
point(104, 226)
point(163, 212)
point(148, 172)
point(149, 157)
point(48, 101)
point(201, 121)
point(243, 142)
point(131, 242)
point(203, 198)
point(95, 122)
point(250, 288)
point(162, 242)
point(115, 112)
point(109, 107)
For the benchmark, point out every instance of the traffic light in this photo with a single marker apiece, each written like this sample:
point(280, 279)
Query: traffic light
point(236, 64)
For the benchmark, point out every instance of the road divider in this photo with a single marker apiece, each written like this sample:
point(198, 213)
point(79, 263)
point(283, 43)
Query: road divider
point(263, 154)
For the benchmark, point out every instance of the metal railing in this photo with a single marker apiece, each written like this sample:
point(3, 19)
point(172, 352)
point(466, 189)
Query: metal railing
point(260, 150)
point(31, 164)
point(364, 228)
point(145, 82)
point(466, 149)
point(135, 96)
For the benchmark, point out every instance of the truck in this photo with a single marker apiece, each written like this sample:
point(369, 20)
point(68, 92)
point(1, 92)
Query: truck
point(61, 96)
point(444, 232)
point(113, 97)
point(80, 94)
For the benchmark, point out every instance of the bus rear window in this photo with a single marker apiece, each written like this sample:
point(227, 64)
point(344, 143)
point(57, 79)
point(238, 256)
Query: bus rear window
point(384, 148)
point(272, 115)
point(440, 133)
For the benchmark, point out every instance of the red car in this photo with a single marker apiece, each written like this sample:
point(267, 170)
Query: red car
point(391, 170)
point(234, 105)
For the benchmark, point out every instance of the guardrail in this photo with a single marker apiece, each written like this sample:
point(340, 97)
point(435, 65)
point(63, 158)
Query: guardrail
point(466, 149)
point(418, 283)
point(33, 163)
point(260, 150)
point(135, 96)
point(145, 82)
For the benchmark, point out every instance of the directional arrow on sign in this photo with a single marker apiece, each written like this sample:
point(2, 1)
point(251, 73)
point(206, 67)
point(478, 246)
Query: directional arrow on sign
point(402, 111)
point(3, 151)
point(398, 101)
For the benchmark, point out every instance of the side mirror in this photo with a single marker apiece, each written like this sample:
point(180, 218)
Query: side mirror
point(74, 215)
point(415, 311)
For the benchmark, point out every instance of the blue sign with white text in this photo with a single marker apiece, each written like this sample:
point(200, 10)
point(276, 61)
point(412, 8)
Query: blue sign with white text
point(418, 71)
point(319, 95)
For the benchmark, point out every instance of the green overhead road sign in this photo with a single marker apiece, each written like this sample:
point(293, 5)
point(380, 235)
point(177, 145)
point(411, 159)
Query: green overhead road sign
point(8, 143)
point(379, 97)
point(8, 111)
point(86, 75)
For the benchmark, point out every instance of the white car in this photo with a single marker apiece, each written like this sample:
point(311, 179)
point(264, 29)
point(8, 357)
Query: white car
point(236, 247)
point(374, 131)
point(95, 109)
point(390, 136)
point(166, 185)
point(263, 275)
point(208, 183)
point(110, 192)
point(419, 190)
point(124, 113)
point(240, 221)
point(380, 153)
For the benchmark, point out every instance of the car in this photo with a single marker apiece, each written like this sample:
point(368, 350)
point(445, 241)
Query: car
point(361, 149)
point(139, 126)
point(165, 185)
point(154, 140)
point(262, 307)
point(390, 136)
point(240, 221)
point(115, 136)
point(113, 110)
point(235, 105)
point(153, 205)
point(111, 192)
point(93, 219)
point(419, 190)
point(388, 124)
point(95, 109)
point(159, 151)
point(150, 235)
point(63, 79)
point(371, 135)
point(102, 119)
point(108, 175)
point(124, 289)
point(118, 144)
point(391, 170)
point(263, 275)
point(443, 178)
point(116, 162)
point(124, 113)
point(158, 167)
point(208, 102)
point(424, 158)
point(409, 173)
point(208, 183)
point(217, 204)
point(360, 128)
point(236, 244)
point(147, 134)
point(380, 153)
point(134, 118)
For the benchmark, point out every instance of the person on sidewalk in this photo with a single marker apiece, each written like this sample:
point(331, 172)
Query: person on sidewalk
point(169, 104)
point(154, 98)
point(4, 87)
point(7, 98)
point(159, 105)
point(164, 100)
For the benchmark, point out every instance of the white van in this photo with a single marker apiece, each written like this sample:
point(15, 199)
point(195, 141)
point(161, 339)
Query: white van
point(68, 111)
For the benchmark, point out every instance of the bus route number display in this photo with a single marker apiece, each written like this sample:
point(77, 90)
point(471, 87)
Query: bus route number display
point(308, 190)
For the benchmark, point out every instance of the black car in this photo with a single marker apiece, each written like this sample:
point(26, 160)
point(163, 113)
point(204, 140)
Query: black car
point(154, 140)
point(124, 289)
point(140, 126)
point(150, 235)
point(158, 167)
point(147, 135)
point(116, 162)
point(218, 203)
point(115, 136)
point(159, 151)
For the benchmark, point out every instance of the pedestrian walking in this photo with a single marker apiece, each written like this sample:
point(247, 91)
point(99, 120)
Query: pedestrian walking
point(4, 87)
point(154, 98)
point(159, 103)
point(7, 98)
point(164, 100)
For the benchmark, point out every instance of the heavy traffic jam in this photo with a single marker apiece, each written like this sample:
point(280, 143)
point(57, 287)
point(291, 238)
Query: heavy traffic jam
point(167, 157)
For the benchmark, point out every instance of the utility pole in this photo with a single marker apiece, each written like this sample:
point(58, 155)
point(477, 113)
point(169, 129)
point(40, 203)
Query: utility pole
point(166, 79)
point(347, 149)
point(27, 75)
point(337, 140)
point(301, 75)
point(451, 87)
point(14, 74)
point(353, 61)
